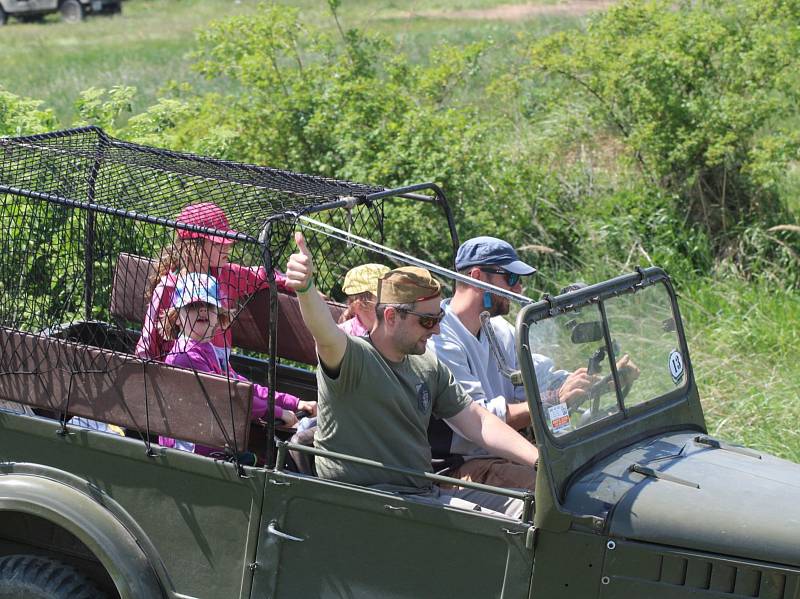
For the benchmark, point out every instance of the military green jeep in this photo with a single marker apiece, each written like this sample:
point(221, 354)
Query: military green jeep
point(72, 11)
point(633, 498)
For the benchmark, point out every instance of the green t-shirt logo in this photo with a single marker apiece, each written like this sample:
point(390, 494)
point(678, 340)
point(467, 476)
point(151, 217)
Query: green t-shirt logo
point(423, 398)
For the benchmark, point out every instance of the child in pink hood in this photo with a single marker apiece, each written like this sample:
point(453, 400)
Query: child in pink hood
point(194, 320)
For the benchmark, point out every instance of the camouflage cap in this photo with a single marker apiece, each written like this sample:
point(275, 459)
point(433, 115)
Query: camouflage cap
point(363, 278)
point(407, 285)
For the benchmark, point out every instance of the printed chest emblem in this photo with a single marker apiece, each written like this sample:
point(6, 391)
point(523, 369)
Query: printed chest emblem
point(423, 398)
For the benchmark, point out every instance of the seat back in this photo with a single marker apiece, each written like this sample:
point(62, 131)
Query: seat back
point(250, 329)
point(58, 375)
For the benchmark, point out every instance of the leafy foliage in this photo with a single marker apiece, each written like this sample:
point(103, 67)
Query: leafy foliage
point(704, 96)
point(22, 116)
point(104, 107)
point(348, 104)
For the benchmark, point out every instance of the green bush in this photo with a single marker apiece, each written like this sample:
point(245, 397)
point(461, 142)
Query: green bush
point(347, 104)
point(22, 116)
point(704, 96)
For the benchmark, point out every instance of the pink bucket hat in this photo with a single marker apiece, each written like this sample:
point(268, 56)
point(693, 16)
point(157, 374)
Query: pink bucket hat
point(205, 214)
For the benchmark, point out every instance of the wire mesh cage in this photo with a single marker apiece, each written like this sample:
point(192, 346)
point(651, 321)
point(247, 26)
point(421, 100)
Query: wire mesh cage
point(116, 257)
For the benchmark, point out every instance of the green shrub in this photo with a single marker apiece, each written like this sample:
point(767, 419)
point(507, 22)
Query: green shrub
point(704, 95)
point(347, 104)
point(22, 116)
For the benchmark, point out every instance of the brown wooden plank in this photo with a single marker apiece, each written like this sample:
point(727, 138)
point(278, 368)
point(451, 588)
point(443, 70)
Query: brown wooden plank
point(120, 389)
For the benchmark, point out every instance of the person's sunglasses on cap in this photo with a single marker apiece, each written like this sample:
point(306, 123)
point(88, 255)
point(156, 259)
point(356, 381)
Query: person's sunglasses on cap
point(426, 321)
point(512, 278)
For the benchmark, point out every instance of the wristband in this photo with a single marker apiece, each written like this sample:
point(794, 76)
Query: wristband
point(307, 287)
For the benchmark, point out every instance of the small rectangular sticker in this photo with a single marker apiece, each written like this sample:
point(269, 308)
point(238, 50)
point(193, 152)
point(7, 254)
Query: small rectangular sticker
point(559, 417)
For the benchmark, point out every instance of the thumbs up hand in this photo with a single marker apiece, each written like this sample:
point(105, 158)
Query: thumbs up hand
point(300, 268)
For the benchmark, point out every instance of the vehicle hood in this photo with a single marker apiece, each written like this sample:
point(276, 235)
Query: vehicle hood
point(726, 500)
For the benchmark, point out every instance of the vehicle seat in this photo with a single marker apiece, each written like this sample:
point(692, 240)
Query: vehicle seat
point(303, 462)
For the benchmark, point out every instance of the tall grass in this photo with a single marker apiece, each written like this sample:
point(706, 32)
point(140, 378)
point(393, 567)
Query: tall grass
point(744, 340)
point(150, 44)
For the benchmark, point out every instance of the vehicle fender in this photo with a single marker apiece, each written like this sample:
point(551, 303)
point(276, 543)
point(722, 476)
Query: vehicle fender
point(92, 523)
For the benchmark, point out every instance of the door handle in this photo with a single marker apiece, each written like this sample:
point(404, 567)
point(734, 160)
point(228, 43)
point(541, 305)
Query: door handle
point(274, 531)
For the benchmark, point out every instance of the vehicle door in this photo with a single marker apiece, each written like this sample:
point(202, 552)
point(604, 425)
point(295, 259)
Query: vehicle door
point(320, 538)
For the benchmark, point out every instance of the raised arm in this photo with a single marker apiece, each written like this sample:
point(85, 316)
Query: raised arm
point(331, 340)
point(484, 428)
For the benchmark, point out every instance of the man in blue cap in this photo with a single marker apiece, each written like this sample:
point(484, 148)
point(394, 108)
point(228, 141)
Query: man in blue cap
point(464, 348)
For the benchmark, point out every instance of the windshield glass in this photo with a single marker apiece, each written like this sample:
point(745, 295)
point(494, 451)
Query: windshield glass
point(573, 364)
point(643, 327)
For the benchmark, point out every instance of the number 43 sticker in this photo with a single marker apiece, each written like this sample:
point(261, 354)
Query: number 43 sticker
point(676, 366)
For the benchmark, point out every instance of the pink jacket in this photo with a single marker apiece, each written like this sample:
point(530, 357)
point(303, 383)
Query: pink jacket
point(200, 356)
point(354, 327)
point(234, 282)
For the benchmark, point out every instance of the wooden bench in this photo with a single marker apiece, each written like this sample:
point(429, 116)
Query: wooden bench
point(70, 375)
point(57, 375)
point(250, 329)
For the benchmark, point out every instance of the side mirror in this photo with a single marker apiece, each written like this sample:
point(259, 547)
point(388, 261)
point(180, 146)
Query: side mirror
point(587, 332)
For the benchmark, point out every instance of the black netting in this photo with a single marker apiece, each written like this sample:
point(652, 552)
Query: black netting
point(97, 245)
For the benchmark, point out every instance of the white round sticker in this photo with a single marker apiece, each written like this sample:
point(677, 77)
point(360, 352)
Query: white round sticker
point(676, 366)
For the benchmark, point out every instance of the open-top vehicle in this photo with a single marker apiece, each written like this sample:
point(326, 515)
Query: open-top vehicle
point(633, 498)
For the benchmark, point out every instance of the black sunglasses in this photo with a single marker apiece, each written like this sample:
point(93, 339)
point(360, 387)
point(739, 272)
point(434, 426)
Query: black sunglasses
point(512, 278)
point(426, 321)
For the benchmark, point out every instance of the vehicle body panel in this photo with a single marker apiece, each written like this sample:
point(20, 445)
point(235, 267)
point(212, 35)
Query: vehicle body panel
point(198, 517)
point(366, 543)
point(28, 6)
point(633, 569)
point(717, 500)
point(30, 491)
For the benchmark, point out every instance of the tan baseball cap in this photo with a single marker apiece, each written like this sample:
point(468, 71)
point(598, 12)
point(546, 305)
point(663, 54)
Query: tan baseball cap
point(407, 285)
point(363, 278)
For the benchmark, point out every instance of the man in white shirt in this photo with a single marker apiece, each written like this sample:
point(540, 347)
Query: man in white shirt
point(465, 350)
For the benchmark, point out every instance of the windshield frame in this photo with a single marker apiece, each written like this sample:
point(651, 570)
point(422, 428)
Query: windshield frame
point(563, 456)
point(625, 409)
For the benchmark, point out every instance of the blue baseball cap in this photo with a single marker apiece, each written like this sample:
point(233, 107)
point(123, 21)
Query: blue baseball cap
point(195, 287)
point(490, 251)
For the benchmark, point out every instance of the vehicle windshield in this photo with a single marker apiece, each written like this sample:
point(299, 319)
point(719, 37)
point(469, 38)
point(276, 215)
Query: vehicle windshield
point(573, 358)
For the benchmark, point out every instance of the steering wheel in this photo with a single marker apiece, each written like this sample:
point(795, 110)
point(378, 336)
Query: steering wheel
point(604, 385)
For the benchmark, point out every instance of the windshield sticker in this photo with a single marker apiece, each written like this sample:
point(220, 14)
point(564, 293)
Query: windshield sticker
point(676, 366)
point(559, 418)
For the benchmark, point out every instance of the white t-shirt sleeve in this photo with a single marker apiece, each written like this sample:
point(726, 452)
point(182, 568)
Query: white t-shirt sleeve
point(456, 358)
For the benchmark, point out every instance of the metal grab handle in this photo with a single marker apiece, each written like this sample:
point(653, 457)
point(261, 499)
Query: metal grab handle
point(274, 531)
point(515, 376)
point(514, 532)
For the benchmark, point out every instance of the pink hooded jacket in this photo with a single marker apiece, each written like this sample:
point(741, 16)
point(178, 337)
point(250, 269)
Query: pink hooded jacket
point(200, 356)
point(234, 281)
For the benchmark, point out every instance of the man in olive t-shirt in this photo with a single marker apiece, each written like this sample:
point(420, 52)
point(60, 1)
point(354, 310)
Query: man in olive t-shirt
point(377, 394)
point(386, 407)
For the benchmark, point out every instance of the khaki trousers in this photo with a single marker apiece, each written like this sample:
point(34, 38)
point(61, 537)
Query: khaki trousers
point(497, 472)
